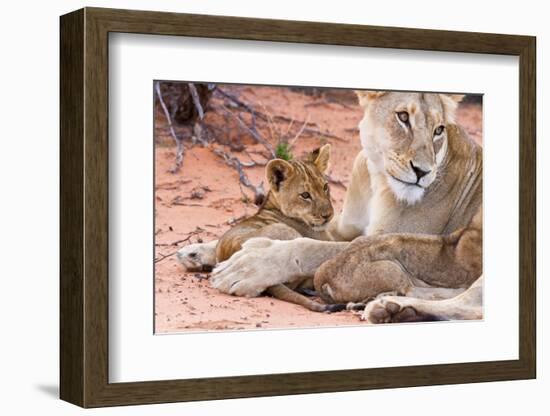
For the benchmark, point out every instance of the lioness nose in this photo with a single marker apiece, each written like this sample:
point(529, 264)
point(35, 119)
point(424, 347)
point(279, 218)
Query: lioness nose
point(419, 172)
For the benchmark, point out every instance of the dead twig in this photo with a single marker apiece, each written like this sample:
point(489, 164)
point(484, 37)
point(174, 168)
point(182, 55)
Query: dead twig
point(253, 133)
point(264, 117)
point(223, 132)
point(259, 193)
point(165, 256)
point(197, 230)
point(169, 186)
point(326, 134)
point(179, 142)
point(336, 182)
point(291, 143)
point(198, 127)
point(231, 221)
point(328, 101)
point(271, 124)
point(234, 99)
point(255, 162)
point(196, 100)
point(184, 204)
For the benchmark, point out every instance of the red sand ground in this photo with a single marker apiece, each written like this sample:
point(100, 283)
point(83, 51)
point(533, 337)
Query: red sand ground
point(185, 301)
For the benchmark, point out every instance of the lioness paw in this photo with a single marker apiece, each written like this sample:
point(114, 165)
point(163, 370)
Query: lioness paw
point(390, 309)
point(261, 263)
point(249, 288)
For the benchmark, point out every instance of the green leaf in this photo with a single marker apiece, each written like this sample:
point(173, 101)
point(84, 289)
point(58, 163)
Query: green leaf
point(282, 151)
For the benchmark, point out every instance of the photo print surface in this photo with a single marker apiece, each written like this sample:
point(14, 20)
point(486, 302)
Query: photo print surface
point(302, 207)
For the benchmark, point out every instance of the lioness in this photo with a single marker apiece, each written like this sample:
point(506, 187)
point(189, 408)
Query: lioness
point(297, 205)
point(418, 173)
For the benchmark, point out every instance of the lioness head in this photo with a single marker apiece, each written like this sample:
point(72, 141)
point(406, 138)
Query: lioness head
point(300, 187)
point(404, 136)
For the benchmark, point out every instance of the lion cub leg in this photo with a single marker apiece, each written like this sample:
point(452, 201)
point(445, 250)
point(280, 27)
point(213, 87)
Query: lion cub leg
point(285, 293)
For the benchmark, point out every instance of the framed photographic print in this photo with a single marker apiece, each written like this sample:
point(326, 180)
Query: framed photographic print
point(257, 207)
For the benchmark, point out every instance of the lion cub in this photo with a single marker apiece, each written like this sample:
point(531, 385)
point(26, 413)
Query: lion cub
point(297, 205)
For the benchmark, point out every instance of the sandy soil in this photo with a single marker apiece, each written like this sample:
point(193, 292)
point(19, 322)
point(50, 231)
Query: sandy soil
point(201, 201)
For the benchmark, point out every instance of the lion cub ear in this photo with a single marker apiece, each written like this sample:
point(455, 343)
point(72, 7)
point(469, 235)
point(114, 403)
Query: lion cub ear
point(366, 96)
point(278, 171)
point(320, 157)
point(450, 103)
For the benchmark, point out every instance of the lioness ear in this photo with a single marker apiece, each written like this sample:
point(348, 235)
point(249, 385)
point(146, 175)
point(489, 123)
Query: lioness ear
point(277, 171)
point(450, 103)
point(366, 96)
point(320, 157)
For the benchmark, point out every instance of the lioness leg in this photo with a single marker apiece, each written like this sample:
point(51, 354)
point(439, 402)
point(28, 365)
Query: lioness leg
point(361, 283)
point(263, 263)
point(281, 291)
point(467, 305)
point(433, 293)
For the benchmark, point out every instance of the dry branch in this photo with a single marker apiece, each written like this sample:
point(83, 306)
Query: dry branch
point(336, 182)
point(259, 193)
point(198, 127)
point(327, 101)
point(291, 143)
point(196, 231)
point(264, 117)
point(253, 132)
point(169, 186)
point(165, 256)
point(179, 142)
point(254, 161)
point(196, 99)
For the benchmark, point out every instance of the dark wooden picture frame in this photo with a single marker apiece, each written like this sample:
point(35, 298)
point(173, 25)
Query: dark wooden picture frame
point(84, 207)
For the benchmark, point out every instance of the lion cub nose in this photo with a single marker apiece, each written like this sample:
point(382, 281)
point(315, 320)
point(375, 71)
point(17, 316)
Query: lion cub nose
point(419, 172)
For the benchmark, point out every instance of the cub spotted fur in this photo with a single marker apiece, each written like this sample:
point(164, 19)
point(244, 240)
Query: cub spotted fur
point(297, 205)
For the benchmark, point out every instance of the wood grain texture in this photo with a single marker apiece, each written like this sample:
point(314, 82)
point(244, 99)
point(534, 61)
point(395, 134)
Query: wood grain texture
point(96, 208)
point(71, 184)
point(527, 208)
point(84, 207)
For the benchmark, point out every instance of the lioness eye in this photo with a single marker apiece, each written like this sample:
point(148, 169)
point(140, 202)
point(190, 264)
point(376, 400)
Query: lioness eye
point(305, 195)
point(439, 130)
point(325, 188)
point(403, 116)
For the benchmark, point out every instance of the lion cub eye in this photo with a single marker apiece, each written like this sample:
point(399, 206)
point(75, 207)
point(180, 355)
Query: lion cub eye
point(325, 188)
point(439, 130)
point(403, 116)
point(305, 195)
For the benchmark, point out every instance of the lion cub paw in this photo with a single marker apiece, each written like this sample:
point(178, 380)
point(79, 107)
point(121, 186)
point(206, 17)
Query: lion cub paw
point(200, 257)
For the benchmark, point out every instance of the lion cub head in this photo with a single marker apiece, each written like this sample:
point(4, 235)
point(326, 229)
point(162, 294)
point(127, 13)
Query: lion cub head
point(404, 136)
point(300, 187)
